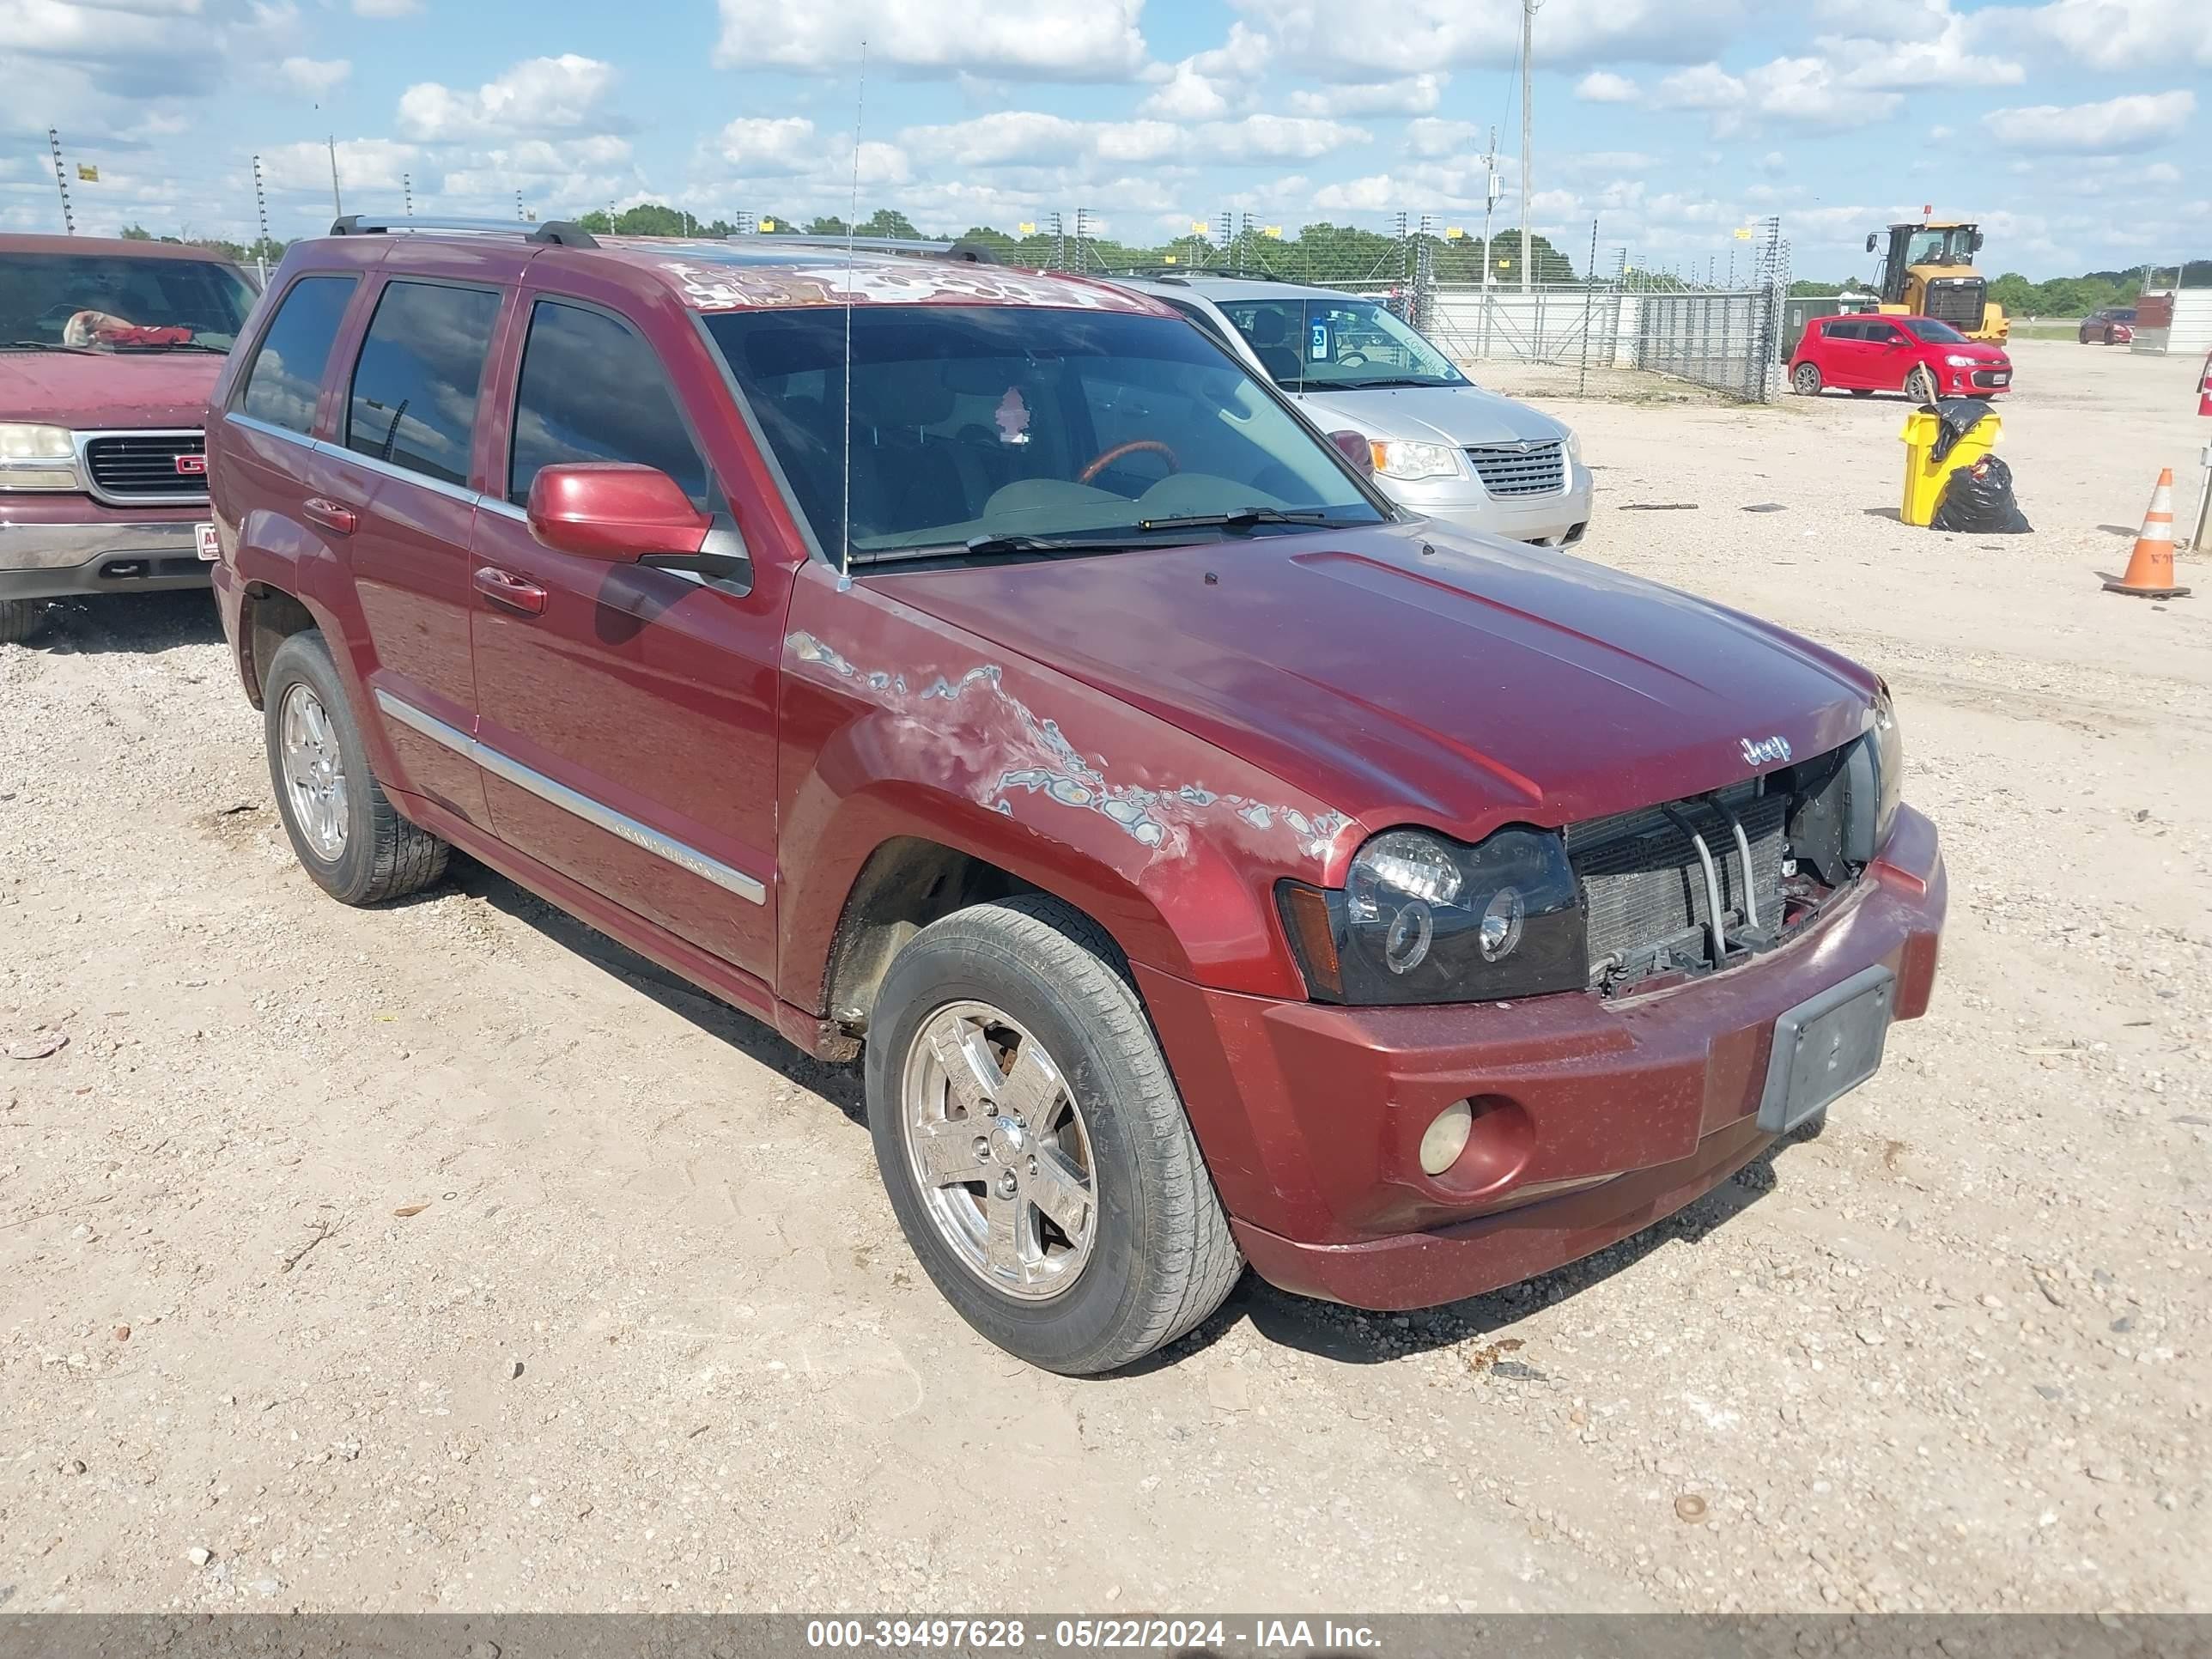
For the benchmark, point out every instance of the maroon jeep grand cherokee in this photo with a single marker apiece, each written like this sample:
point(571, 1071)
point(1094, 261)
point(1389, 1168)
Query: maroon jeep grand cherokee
point(981, 670)
point(107, 353)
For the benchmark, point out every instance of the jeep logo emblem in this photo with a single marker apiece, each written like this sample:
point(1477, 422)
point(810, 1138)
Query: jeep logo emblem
point(1758, 752)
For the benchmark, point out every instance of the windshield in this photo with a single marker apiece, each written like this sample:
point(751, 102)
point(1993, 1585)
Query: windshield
point(1951, 246)
point(1021, 421)
point(1936, 333)
point(1309, 344)
point(114, 302)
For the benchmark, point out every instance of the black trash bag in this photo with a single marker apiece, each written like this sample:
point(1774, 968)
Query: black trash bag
point(1977, 499)
point(1959, 416)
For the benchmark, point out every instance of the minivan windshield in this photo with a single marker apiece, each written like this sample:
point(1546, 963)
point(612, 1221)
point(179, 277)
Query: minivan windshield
point(1309, 345)
point(115, 303)
point(1027, 427)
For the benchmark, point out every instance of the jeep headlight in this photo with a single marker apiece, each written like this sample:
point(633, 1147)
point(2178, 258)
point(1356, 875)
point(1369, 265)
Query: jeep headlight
point(34, 457)
point(1422, 918)
point(1407, 460)
point(1888, 764)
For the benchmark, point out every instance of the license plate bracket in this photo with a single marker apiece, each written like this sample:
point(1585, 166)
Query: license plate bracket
point(1825, 1047)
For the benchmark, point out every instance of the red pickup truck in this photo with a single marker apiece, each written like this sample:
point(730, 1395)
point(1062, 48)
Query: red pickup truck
point(108, 350)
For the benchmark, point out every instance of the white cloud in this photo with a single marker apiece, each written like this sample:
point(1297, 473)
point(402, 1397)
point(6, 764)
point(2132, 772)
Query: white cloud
point(1031, 139)
point(387, 8)
point(1397, 37)
point(2115, 34)
point(1429, 136)
point(1414, 95)
point(364, 163)
point(1938, 60)
point(1801, 91)
point(1210, 84)
point(761, 148)
point(1062, 39)
point(1602, 87)
point(312, 77)
point(539, 95)
point(2137, 121)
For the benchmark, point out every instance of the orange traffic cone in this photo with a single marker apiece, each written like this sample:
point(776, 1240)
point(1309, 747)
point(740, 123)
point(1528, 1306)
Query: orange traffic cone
point(2150, 568)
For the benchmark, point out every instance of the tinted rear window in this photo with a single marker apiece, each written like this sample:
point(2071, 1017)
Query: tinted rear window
point(287, 365)
point(414, 397)
point(39, 293)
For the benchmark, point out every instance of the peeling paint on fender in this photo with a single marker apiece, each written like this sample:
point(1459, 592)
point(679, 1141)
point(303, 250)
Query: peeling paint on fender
point(1026, 756)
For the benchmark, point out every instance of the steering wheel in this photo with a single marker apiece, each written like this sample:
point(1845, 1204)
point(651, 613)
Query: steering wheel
point(1107, 458)
point(1352, 360)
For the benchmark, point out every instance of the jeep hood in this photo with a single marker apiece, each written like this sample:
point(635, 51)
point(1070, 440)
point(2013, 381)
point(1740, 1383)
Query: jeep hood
point(86, 389)
point(1477, 684)
point(1455, 415)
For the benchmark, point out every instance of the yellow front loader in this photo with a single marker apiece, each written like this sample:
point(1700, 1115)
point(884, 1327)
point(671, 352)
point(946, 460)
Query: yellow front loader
point(1929, 272)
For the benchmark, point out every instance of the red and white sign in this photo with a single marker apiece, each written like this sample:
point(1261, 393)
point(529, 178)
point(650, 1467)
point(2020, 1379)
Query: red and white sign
point(210, 550)
point(2204, 388)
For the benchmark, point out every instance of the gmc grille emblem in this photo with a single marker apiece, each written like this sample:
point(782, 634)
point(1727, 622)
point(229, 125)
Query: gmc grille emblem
point(192, 466)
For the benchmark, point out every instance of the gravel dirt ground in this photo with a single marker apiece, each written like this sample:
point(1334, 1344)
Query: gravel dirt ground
point(448, 1257)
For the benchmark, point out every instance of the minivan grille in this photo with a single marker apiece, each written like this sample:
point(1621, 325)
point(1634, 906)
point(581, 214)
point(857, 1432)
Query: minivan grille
point(1533, 469)
point(1643, 887)
point(132, 464)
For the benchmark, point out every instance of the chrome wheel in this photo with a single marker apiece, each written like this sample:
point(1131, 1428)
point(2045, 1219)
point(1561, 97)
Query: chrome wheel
point(999, 1150)
point(314, 773)
point(1808, 381)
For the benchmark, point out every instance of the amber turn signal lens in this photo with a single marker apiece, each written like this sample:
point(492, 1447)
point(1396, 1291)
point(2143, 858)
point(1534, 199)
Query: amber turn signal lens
point(1305, 914)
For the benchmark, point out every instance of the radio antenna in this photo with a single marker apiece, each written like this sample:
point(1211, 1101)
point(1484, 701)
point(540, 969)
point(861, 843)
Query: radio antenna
point(852, 213)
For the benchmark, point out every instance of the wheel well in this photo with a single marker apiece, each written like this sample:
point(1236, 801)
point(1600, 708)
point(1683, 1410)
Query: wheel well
point(272, 617)
point(906, 885)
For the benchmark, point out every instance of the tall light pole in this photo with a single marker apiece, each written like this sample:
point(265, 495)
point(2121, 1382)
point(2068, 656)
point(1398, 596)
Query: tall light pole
point(337, 206)
point(1527, 54)
point(1489, 200)
point(261, 211)
point(407, 192)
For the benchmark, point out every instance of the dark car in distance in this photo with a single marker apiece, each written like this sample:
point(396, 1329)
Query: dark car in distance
point(1923, 357)
point(108, 350)
point(1210, 863)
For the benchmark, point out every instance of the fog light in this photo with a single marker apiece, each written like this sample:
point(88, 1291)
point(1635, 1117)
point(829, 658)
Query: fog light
point(1446, 1138)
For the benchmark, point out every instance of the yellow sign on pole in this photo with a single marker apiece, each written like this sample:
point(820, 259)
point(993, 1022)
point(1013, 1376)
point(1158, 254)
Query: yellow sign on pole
point(1743, 233)
point(767, 224)
point(1171, 259)
point(1453, 233)
point(90, 175)
point(1197, 227)
point(1027, 228)
point(1275, 231)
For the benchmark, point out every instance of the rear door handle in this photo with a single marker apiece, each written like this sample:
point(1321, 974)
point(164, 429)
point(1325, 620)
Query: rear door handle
point(505, 589)
point(332, 515)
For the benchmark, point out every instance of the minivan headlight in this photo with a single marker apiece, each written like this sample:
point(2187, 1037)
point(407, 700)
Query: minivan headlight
point(34, 457)
point(1422, 919)
point(1574, 444)
point(1407, 459)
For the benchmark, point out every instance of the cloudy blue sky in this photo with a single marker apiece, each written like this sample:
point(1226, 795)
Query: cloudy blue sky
point(2072, 129)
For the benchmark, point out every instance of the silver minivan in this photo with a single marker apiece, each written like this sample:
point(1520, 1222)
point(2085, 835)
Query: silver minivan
point(1443, 447)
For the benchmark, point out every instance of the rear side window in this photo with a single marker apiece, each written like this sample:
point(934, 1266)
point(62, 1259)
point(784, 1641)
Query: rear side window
point(592, 390)
point(1845, 332)
point(287, 365)
point(414, 396)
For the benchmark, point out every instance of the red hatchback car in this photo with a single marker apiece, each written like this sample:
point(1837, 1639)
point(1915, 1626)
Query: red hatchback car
point(1920, 356)
point(982, 673)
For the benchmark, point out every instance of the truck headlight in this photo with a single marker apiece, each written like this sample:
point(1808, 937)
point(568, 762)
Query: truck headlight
point(37, 457)
point(1407, 460)
point(1425, 919)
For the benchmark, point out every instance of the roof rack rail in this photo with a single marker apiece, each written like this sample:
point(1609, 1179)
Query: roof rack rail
point(974, 253)
point(1184, 273)
point(555, 233)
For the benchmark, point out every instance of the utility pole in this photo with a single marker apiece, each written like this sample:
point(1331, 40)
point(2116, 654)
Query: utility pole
point(337, 207)
point(517, 204)
point(61, 182)
point(1489, 200)
point(1527, 125)
point(261, 211)
point(407, 192)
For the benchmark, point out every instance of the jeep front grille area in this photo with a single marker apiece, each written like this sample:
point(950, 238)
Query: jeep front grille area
point(1647, 888)
point(142, 466)
point(1958, 302)
point(1514, 470)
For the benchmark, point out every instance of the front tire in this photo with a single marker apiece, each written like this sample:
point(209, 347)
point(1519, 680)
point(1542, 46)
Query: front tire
point(20, 618)
point(1806, 377)
point(1034, 1147)
point(1920, 385)
point(344, 830)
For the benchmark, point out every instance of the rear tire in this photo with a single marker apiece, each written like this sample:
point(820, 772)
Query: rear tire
point(20, 618)
point(345, 831)
point(1806, 378)
point(1148, 1253)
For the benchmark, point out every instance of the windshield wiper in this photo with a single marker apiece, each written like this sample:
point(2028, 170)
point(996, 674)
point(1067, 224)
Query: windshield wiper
point(41, 345)
point(1245, 517)
point(177, 345)
point(1391, 382)
point(993, 546)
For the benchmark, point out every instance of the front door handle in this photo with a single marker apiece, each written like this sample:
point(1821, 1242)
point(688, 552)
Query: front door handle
point(516, 593)
point(332, 515)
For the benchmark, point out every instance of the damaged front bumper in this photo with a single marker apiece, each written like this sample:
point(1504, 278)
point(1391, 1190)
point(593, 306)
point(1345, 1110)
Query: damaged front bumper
point(1603, 1115)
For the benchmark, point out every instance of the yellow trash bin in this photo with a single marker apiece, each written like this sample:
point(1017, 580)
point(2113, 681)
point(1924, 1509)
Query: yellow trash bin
point(1923, 475)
